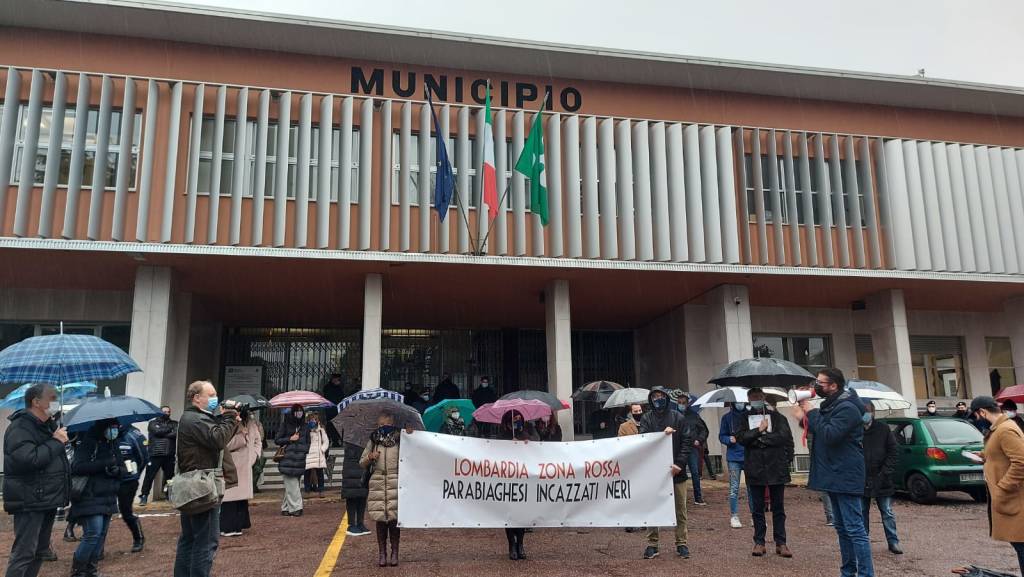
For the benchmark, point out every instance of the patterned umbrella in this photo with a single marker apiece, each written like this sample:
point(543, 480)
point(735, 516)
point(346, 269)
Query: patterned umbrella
point(598, 391)
point(304, 398)
point(124, 409)
point(543, 396)
point(60, 359)
point(359, 419)
point(762, 372)
point(627, 397)
point(531, 409)
point(370, 395)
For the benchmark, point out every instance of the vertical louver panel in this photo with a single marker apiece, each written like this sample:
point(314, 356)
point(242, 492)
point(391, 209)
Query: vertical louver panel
point(518, 187)
point(824, 189)
point(961, 206)
point(324, 161)
point(757, 182)
point(694, 194)
point(677, 195)
point(990, 210)
point(195, 136)
point(1016, 197)
point(171, 168)
point(804, 166)
point(775, 203)
point(974, 205)
point(1004, 216)
point(536, 225)
point(728, 214)
point(216, 165)
point(553, 172)
point(303, 154)
point(659, 194)
point(99, 173)
point(239, 166)
point(53, 157)
point(573, 191)
point(405, 155)
point(642, 201)
point(148, 151)
point(798, 256)
point(947, 208)
point(500, 232)
point(866, 183)
point(8, 127)
point(386, 171)
point(709, 193)
point(746, 242)
point(482, 216)
point(345, 192)
point(853, 192)
point(124, 159)
point(30, 145)
point(444, 227)
point(838, 198)
point(75, 172)
point(463, 192)
point(365, 199)
point(606, 188)
point(423, 179)
point(900, 228)
point(624, 180)
point(259, 173)
point(930, 195)
point(588, 166)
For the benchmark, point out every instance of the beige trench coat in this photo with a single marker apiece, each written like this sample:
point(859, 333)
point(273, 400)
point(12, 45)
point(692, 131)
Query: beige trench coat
point(244, 449)
point(382, 502)
point(1004, 475)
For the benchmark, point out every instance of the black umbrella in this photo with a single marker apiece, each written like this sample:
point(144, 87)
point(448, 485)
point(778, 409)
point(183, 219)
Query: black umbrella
point(549, 399)
point(762, 372)
point(254, 402)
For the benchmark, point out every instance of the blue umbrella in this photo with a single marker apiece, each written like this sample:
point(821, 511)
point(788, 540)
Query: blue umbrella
point(69, 392)
point(60, 359)
point(371, 395)
point(124, 409)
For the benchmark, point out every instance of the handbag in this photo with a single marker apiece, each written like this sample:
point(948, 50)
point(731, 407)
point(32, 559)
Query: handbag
point(279, 454)
point(197, 491)
point(368, 472)
point(78, 486)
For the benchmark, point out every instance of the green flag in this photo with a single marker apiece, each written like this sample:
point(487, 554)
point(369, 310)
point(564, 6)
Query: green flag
point(531, 165)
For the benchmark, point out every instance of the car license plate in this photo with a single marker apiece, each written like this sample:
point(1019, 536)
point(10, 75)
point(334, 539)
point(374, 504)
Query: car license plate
point(967, 477)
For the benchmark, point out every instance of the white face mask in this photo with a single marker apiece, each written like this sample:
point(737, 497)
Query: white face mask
point(53, 408)
point(485, 384)
point(1011, 414)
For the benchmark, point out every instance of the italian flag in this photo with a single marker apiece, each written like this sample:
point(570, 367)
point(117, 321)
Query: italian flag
point(490, 189)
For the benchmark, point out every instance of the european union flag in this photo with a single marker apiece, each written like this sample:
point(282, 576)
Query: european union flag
point(444, 183)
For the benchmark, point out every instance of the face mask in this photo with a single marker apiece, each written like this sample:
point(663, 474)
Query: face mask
point(211, 404)
point(820, 391)
point(312, 425)
point(867, 418)
point(659, 403)
point(111, 433)
point(485, 384)
point(757, 405)
point(931, 410)
point(386, 429)
point(425, 397)
point(517, 425)
point(637, 416)
point(53, 408)
point(455, 416)
point(1011, 414)
point(168, 415)
point(298, 414)
point(741, 407)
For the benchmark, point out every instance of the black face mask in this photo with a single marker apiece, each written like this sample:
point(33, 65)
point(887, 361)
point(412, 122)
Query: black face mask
point(820, 391)
point(637, 416)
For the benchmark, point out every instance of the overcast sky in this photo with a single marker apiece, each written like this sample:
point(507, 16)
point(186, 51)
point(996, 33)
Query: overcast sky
point(972, 40)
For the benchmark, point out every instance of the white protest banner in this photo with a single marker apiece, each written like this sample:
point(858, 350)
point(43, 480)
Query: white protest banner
point(450, 481)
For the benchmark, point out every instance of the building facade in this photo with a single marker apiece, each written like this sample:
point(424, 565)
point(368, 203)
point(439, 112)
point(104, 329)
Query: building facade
point(700, 212)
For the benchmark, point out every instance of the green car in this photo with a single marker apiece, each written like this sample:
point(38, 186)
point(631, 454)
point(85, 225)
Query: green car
point(931, 459)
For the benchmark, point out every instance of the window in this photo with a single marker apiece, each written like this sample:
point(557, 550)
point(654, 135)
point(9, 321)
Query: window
point(866, 368)
point(1000, 363)
point(938, 367)
point(229, 152)
point(92, 126)
point(811, 353)
point(748, 167)
point(904, 433)
point(953, 432)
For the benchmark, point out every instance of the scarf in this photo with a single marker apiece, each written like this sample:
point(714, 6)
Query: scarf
point(389, 440)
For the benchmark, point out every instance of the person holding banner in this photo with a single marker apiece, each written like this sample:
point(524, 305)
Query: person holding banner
point(380, 460)
point(514, 428)
point(660, 418)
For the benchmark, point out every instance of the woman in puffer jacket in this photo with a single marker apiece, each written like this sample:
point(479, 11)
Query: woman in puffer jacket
point(382, 502)
point(316, 458)
point(294, 437)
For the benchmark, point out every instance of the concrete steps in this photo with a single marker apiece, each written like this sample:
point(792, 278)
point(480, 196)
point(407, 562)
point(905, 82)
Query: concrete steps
point(271, 478)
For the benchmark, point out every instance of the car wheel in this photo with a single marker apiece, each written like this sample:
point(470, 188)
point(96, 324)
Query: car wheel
point(978, 494)
point(920, 488)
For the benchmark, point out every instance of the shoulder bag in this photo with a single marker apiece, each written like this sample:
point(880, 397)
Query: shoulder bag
point(198, 491)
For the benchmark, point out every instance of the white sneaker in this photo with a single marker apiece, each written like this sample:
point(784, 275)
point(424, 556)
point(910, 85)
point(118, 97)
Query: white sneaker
point(734, 522)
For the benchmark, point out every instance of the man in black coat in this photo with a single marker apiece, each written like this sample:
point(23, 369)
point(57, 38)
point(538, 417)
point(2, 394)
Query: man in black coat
point(484, 394)
point(35, 478)
point(664, 418)
point(700, 440)
point(353, 490)
point(446, 389)
point(880, 459)
point(768, 452)
point(334, 392)
point(163, 434)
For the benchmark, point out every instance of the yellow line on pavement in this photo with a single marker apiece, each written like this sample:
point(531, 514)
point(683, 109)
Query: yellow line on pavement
point(333, 550)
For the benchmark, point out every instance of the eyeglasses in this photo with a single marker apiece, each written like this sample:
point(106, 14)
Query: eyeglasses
point(823, 383)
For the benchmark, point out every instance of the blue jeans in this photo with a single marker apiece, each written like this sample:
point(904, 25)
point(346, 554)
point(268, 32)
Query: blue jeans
point(888, 518)
point(735, 469)
point(854, 545)
point(827, 504)
point(1019, 548)
point(94, 534)
point(693, 465)
point(197, 545)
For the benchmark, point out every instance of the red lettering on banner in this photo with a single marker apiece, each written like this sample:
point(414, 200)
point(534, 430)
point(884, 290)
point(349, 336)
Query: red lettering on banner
point(488, 468)
point(598, 469)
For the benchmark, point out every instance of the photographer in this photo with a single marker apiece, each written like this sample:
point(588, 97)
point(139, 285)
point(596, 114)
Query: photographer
point(203, 435)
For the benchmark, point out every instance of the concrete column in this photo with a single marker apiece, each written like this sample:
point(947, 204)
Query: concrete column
point(1013, 310)
point(373, 297)
point(159, 338)
point(890, 338)
point(558, 331)
point(729, 332)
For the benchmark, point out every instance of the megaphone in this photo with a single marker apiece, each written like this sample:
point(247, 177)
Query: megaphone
point(798, 395)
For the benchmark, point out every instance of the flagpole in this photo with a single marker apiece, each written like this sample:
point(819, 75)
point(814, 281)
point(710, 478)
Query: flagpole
point(455, 183)
point(501, 201)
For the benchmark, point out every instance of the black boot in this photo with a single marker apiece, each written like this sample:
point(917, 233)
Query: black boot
point(79, 568)
point(382, 544)
point(520, 534)
point(396, 536)
point(513, 551)
point(138, 538)
point(92, 570)
point(69, 533)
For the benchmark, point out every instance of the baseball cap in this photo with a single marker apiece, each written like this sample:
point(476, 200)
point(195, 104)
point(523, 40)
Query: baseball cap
point(983, 402)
